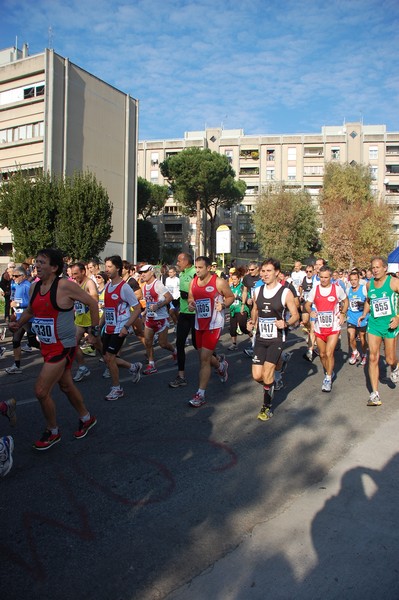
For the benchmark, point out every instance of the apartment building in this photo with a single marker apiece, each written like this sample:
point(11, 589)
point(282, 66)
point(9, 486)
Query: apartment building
point(56, 116)
point(296, 160)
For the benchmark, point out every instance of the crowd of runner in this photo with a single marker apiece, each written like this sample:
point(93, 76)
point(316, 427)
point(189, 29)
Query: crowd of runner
point(73, 310)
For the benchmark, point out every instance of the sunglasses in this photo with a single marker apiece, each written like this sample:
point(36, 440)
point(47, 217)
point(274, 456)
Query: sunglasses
point(16, 276)
point(310, 271)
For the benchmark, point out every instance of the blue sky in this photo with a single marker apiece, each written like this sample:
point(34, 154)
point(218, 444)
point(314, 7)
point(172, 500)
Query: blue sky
point(262, 66)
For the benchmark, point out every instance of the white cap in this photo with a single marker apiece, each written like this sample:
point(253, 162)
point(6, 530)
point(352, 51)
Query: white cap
point(145, 268)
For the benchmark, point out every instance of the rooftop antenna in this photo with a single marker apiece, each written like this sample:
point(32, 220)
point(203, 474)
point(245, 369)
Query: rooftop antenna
point(50, 38)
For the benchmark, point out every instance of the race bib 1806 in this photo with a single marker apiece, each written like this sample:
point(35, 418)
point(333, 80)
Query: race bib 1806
point(325, 319)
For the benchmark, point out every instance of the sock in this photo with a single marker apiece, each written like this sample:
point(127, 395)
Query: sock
point(18, 363)
point(151, 363)
point(268, 392)
point(85, 418)
point(201, 392)
point(54, 431)
point(328, 377)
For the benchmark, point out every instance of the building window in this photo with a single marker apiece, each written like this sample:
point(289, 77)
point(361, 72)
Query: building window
point(313, 170)
point(154, 158)
point(21, 133)
point(270, 173)
point(229, 155)
point(335, 153)
point(154, 176)
point(173, 227)
point(291, 153)
point(374, 173)
point(291, 173)
point(270, 154)
point(373, 152)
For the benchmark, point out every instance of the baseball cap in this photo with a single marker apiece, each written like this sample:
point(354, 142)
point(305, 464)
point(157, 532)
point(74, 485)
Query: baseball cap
point(146, 268)
point(214, 264)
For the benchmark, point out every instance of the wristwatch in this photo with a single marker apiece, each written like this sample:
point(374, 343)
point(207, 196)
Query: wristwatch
point(95, 330)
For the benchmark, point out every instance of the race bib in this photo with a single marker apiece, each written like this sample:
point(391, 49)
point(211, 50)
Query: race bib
point(354, 305)
point(151, 313)
point(203, 308)
point(325, 319)
point(110, 318)
point(80, 308)
point(381, 307)
point(45, 330)
point(267, 328)
point(18, 310)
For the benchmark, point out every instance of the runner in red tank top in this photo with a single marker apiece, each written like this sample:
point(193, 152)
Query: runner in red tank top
point(52, 301)
point(323, 305)
point(208, 296)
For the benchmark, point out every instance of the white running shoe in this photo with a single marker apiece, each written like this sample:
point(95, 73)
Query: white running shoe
point(81, 373)
point(135, 369)
point(115, 393)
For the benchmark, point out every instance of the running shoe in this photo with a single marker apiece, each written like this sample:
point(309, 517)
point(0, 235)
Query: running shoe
point(327, 385)
point(178, 382)
point(106, 374)
point(232, 347)
point(308, 355)
point(81, 373)
point(89, 351)
point(394, 376)
point(265, 414)
point(13, 370)
point(197, 400)
point(84, 427)
point(47, 440)
point(286, 357)
point(150, 369)
point(6, 449)
point(135, 370)
point(115, 393)
point(363, 362)
point(355, 356)
point(26, 348)
point(223, 370)
point(316, 351)
point(278, 384)
point(11, 412)
point(2, 351)
point(374, 399)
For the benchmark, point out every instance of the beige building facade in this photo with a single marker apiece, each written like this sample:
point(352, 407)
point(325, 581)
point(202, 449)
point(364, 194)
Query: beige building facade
point(56, 116)
point(297, 161)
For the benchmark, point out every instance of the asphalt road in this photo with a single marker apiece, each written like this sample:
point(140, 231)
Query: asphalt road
point(158, 492)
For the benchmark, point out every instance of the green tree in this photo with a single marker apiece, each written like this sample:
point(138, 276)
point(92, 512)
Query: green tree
point(84, 216)
point(286, 224)
point(355, 225)
point(28, 208)
point(203, 180)
point(73, 213)
point(147, 242)
point(151, 198)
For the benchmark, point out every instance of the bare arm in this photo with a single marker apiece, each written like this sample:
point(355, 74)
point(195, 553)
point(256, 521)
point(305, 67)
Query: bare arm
point(224, 289)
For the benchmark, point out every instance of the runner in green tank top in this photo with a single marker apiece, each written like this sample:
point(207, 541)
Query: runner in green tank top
point(382, 304)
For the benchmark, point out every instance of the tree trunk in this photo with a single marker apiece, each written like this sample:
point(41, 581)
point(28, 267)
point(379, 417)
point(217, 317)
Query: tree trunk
point(198, 230)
